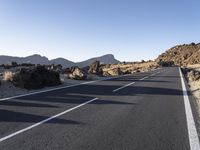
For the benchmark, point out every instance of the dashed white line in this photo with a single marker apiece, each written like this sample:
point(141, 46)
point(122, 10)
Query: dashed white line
point(44, 121)
point(134, 82)
point(62, 113)
point(192, 131)
point(48, 90)
point(131, 83)
point(59, 88)
point(153, 74)
point(144, 78)
point(123, 87)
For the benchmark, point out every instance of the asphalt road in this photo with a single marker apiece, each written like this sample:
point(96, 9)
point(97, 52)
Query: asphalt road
point(144, 111)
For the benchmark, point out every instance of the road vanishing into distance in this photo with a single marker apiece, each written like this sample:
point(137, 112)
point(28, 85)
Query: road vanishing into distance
point(143, 111)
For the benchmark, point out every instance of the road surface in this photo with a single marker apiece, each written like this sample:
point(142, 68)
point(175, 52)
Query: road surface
point(143, 111)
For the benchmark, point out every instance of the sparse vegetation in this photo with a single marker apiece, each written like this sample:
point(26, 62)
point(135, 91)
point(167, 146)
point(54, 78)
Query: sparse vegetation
point(36, 77)
point(128, 68)
point(165, 63)
point(8, 76)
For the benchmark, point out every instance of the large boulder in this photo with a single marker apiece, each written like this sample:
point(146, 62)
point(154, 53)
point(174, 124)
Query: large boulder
point(77, 74)
point(35, 78)
point(95, 68)
point(113, 72)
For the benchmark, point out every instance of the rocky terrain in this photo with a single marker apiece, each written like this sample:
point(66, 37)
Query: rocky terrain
point(188, 57)
point(128, 68)
point(192, 74)
point(51, 72)
point(183, 55)
point(28, 78)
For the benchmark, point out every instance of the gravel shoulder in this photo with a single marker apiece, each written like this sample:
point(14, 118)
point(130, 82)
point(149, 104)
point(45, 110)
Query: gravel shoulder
point(9, 90)
point(195, 87)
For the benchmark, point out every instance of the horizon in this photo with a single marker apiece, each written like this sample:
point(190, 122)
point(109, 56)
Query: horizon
point(58, 57)
point(76, 31)
point(95, 56)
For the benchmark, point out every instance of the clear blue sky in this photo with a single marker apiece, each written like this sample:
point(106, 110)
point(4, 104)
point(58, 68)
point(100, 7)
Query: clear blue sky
point(79, 29)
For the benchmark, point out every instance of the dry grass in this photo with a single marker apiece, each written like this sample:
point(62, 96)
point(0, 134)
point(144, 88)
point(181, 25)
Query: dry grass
point(129, 66)
point(196, 66)
point(195, 86)
point(8, 76)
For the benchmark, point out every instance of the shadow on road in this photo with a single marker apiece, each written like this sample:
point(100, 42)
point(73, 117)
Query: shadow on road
point(12, 116)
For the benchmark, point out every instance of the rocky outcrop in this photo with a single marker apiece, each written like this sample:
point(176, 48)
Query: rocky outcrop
point(95, 68)
point(77, 74)
point(35, 78)
point(113, 72)
point(186, 54)
point(128, 68)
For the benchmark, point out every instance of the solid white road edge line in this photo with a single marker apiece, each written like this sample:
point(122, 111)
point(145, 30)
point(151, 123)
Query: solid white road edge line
point(43, 91)
point(44, 121)
point(59, 88)
point(192, 131)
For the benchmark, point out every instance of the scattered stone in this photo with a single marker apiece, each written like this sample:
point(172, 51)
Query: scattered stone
point(77, 74)
point(193, 75)
point(95, 68)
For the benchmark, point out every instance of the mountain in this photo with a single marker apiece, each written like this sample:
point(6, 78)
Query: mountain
point(105, 59)
point(37, 59)
point(33, 59)
point(64, 62)
point(186, 54)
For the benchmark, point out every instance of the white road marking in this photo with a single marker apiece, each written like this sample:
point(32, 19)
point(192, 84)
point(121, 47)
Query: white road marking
point(59, 88)
point(57, 115)
point(153, 74)
point(123, 87)
point(48, 90)
point(44, 121)
point(134, 82)
point(192, 132)
point(144, 78)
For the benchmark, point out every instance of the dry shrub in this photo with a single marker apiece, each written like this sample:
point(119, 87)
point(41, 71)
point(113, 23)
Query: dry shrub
point(8, 76)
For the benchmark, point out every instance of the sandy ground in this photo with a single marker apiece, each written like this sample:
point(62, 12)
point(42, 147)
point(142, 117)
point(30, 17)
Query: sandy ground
point(8, 90)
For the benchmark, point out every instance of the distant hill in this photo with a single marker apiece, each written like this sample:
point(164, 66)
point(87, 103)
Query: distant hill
point(186, 54)
point(33, 59)
point(64, 62)
point(37, 59)
point(105, 59)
